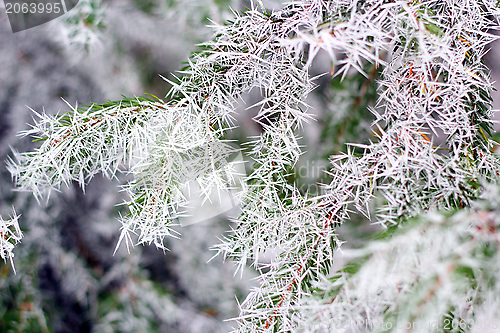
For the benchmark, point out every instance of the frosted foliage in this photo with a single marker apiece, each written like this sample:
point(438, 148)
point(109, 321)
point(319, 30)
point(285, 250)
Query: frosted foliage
point(432, 81)
point(10, 235)
point(82, 26)
point(438, 267)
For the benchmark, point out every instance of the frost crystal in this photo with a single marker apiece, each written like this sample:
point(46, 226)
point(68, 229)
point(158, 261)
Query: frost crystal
point(10, 235)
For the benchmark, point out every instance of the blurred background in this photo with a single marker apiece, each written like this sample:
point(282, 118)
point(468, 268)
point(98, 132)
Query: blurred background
point(67, 277)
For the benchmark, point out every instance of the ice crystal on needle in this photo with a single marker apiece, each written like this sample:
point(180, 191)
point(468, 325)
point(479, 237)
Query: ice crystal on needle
point(11, 235)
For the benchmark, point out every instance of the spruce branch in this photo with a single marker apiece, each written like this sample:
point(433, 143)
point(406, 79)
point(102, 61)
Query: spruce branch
point(10, 236)
point(438, 266)
point(432, 81)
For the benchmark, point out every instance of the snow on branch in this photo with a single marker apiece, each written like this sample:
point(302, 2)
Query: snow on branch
point(432, 80)
point(10, 236)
